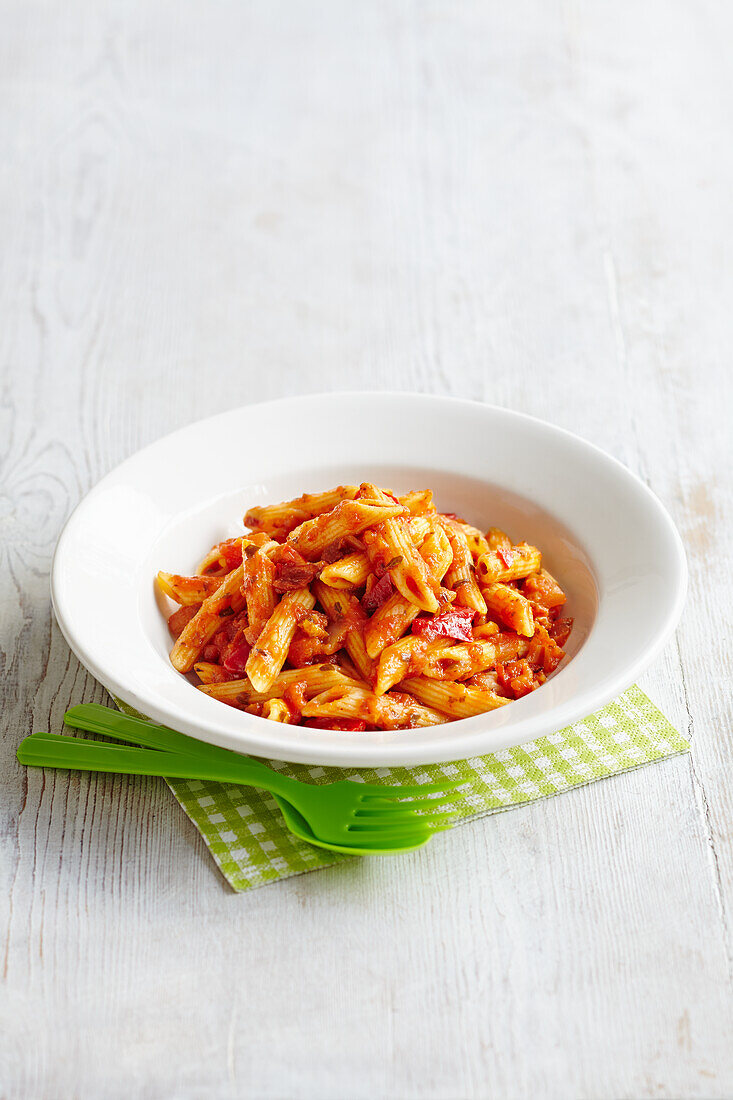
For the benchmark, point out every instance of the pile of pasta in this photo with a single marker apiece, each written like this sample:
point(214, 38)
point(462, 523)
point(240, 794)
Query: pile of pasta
point(357, 609)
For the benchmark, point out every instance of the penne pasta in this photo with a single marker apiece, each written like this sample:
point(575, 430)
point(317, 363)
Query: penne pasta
point(277, 710)
point(205, 622)
point(339, 606)
point(348, 518)
point(187, 590)
point(271, 648)
point(458, 662)
point(391, 550)
point(461, 576)
point(350, 571)
point(511, 607)
point(451, 699)
point(210, 673)
point(390, 621)
point(400, 660)
point(356, 609)
point(386, 711)
point(278, 520)
point(257, 587)
point(475, 539)
point(418, 501)
point(508, 564)
point(314, 678)
point(418, 528)
point(498, 539)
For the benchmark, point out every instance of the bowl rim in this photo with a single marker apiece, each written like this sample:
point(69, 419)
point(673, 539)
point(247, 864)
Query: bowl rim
point(373, 754)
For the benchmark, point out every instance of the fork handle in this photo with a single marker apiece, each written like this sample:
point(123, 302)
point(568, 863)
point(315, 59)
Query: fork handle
point(96, 718)
point(79, 754)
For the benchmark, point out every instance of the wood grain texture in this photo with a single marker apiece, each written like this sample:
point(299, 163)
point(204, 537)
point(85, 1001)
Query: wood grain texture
point(206, 205)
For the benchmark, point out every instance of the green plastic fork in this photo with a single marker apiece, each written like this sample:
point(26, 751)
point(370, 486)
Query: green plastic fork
point(356, 818)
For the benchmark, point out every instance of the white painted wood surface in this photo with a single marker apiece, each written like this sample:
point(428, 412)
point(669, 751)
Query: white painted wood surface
point(210, 204)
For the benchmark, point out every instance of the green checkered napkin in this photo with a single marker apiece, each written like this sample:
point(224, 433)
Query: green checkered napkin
point(246, 835)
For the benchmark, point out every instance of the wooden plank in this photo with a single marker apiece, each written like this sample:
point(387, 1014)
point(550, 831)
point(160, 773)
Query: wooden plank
point(525, 204)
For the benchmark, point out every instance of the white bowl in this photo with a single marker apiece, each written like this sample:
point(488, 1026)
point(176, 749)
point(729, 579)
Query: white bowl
point(602, 533)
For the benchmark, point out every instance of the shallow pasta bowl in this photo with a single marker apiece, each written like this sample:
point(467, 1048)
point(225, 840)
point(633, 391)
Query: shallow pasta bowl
point(603, 534)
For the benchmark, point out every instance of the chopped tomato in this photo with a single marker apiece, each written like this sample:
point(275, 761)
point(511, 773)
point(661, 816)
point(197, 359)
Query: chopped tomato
point(543, 654)
point(295, 698)
point(507, 556)
point(455, 623)
point(515, 677)
point(381, 592)
point(235, 660)
point(540, 588)
point(291, 569)
point(347, 544)
point(560, 631)
point(231, 552)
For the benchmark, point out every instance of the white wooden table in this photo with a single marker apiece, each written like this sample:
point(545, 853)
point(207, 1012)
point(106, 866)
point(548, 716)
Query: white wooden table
point(204, 205)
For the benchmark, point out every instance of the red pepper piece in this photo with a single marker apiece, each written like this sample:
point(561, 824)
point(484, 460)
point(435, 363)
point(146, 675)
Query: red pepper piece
point(382, 591)
point(236, 659)
point(455, 623)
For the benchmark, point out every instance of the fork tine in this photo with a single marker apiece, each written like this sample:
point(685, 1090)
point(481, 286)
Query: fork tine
point(378, 817)
point(376, 806)
point(402, 819)
point(403, 811)
point(395, 793)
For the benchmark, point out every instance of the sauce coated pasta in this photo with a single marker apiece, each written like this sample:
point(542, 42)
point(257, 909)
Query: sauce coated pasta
point(356, 609)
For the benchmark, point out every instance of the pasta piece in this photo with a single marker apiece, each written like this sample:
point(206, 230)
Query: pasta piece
point(340, 606)
point(498, 539)
point(458, 662)
point(206, 621)
point(418, 528)
point(386, 711)
point(399, 660)
point(489, 631)
point(487, 681)
point(436, 553)
point(461, 577)
point(348, 518)
point(475, 539)
point(227, 555)
point(315, 679)
point(390, 621)
point(391, 550)
point(510, 564)
point(257, 587)
point(418, 501)
point(453, 700)
point(187, 590)
point(277, 710)
point(271, 649)
point(485, 630)
point(280, 519)
point(511, 607)
point(209, 673)
point(348, 572)
point(542, 589)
